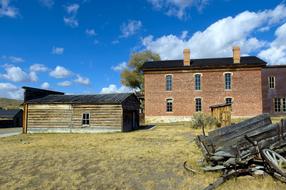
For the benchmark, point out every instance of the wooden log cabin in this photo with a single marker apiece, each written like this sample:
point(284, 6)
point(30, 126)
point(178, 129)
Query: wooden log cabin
point(50, 111)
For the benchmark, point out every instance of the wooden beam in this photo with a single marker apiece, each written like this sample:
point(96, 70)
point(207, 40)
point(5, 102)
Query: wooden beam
point(25, 117)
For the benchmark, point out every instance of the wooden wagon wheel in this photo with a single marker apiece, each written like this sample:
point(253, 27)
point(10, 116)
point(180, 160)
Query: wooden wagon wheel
point(275, 161)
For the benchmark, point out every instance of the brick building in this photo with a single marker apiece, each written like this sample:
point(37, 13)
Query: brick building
point(176, 89)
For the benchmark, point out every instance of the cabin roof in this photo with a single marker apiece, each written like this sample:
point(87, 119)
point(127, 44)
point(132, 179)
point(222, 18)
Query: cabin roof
point(10, 114)
point(117, 98)
point(208, 63)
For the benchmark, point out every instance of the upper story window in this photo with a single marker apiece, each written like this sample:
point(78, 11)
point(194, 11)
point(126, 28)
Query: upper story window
point(227, 81)
point(280, 104)
point(198, 104)
point(169, 82)
point(198, 81)
point(85, 118)
point(169, 105)
point(228, 100)
point(271, 82)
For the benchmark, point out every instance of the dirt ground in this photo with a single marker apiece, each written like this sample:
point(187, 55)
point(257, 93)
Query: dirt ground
point(142, 160)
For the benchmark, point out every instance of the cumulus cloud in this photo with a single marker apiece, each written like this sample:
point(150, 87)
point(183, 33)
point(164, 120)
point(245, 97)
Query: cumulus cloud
point(65, 83)
point(130, 28)
point(82, 80)
point(178, 8)
point(112, 88)
point(47, 3)
point(71, 18)
point(45, 85)
point(15, 74)
point(218, 39)
point(8, 90)
point(7, 10)
point(276, 53)
point(58, 50)
point(120, 67)
point(90, 32)
point(60, 72)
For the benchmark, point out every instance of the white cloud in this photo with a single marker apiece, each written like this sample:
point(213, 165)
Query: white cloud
point(47, 3)
point(8, 90)
point(71, 21)
point(112, 88)
point(7, 10)
point(276, 52)
point(58, 50)
point(33, 76)
point(60, 72)
point(45, 85)
point(120, 67)
point(71, 18)
point(65, 83)
point(82, 80)
point(217, 40)
point(90, 32)
point(72, 9)
point(13, 59)
point(130, 28)
point(15, 74)
point(38, 68)
point(178, 8)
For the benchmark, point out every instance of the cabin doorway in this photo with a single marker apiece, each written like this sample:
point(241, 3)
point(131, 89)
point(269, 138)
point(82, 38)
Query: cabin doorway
point(130, 121)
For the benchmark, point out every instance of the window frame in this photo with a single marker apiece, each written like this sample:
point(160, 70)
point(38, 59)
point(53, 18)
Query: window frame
point(169, 83)
point(284, 104)
point(227, 84)
point(169, 105)
point(199, 87)
point(277, 105)
point(225, 100)
point(271, 83)
point(85, 121)
point(198, 105)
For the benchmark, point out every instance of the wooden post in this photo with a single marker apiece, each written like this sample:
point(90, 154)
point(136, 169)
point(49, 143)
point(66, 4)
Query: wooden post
point(25, 117)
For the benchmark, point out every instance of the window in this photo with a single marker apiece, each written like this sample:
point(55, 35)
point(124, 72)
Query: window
point(85, 119)
point(169, 82)
point(271, 82)
point(227, 80)
point(198, 104)
point(169, 105)
point(280, 104)
point(228, 100)
point(197, 81)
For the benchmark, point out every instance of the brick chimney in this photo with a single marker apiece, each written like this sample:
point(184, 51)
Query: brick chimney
point(187, 57)
point(236, 54)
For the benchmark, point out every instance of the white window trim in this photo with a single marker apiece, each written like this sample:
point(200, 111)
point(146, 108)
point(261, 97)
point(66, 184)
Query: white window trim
point(231, 86)
point(194, 75)
point(201, 104)
point(85, 125)
point(172, 99)
point(166, 82)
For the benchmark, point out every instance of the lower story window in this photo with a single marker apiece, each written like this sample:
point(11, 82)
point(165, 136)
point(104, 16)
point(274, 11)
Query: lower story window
point(280, 104)
point(85, 118)
point(169, 105)
point(228, 100)
point(198, 104)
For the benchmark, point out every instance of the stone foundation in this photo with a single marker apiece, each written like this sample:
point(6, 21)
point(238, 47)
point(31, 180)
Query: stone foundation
point(166, 119)
point(73, 130)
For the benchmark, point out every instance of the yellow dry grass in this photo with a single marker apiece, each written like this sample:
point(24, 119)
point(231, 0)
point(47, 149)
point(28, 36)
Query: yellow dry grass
point(147, 160)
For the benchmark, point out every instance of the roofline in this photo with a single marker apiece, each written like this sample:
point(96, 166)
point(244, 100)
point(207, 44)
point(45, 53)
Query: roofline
point(275, 66)
point(26, 88)
point(204, 68)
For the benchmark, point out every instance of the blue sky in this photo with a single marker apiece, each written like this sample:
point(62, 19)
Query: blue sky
point(80, 46)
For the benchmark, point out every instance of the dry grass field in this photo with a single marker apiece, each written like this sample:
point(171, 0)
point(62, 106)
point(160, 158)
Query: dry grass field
point(147, 159)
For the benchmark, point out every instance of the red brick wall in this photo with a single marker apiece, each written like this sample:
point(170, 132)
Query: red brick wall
point(280, 89)
point(246, 92)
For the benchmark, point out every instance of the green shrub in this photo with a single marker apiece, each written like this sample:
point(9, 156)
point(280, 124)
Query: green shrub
point(201, 120)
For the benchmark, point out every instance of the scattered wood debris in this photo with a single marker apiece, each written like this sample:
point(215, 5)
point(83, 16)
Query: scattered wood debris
point(252, 147)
